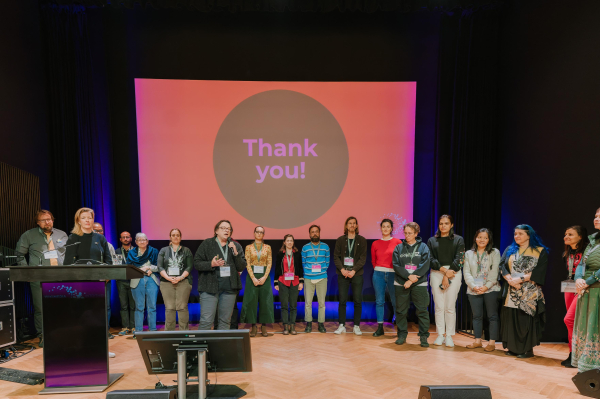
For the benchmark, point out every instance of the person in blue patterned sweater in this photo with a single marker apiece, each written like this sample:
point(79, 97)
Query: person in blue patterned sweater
point(315, 261)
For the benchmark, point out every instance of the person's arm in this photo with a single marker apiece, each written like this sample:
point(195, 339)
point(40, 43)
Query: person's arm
point(362, 257)
point(240, 260)
point(469, 280)
point(425, 262)
point(504, 266)
point(277, 267)
point(189, 263)
point(374, 254)
point(23, 248)
point(538, 274)
point(338, 256)
point(433, 262)
point(492, 277)
point(248, 255)
point(397, 264)
point(107, 253)
point(153, 260)
point(202, 262)
point(327, 257)
point(459, 256)
point(269, 260)
point(160, 263)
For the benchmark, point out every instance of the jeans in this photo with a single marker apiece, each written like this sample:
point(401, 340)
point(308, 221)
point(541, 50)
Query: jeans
point(209, 303)
point(176, 298)
point(127, 304)
point(420, 297)
point(309, 293)
point(491, 306)
point(381, 281)
point(344, 285)
point(145, 294)
point(288, 297)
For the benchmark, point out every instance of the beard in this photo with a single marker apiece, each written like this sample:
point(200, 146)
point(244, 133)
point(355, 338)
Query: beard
point(315, 239)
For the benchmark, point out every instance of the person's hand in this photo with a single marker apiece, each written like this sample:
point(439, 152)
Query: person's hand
point(407, 284)
point(233, 248)
point(175, 280)
point(450, 273)
point(413, 278)
point(345, 273)
point(255, 281)
point(482, 290)
point(277, 288)
point(300, 287)
point(216, 262)
point(580, 286)
point(263, 280)
point(445, 282)
point(351, 273)
point(148, 272)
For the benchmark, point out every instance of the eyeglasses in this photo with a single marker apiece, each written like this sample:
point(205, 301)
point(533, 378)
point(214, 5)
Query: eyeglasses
point(45, 221)
point(225, 228)
point(125, 238)
point(259, 232)
point(141, 240)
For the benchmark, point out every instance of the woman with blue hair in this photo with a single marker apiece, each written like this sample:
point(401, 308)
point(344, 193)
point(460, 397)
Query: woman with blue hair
point(523, 266)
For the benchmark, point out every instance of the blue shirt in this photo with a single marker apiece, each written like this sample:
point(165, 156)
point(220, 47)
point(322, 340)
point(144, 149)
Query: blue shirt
point(315, 255)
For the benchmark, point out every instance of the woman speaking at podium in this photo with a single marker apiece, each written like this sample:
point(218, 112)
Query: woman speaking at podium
point(84, 246)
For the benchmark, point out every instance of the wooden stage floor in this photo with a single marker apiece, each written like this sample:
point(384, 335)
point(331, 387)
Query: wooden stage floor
point(320, 365)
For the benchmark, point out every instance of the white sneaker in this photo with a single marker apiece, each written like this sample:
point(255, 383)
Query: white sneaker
point(439, 341)
point(449, 342)
point(357, 330)
point(340, 329)
point(111, 354)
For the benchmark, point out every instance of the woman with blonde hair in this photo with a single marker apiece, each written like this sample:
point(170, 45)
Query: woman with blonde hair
point(93, 247)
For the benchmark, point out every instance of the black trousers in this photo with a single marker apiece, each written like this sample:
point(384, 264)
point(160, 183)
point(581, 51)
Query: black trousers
point(127, 304)
point(344, 285)
point(420, 297)
point(289, 298)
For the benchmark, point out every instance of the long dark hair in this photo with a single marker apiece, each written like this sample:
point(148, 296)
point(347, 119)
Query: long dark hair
point(581, 232)
point(438, 234)
point(490, 246)
point(346, 225)
point(285, 237)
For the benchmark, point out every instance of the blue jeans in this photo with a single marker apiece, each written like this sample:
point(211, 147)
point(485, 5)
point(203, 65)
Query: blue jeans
point(381, 281)
point(145, 294)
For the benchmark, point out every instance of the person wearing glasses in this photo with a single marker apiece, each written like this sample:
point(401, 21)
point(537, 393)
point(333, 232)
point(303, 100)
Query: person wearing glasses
point(145, 289)
point(219, 260)
point(45, 246)
point(258, 294)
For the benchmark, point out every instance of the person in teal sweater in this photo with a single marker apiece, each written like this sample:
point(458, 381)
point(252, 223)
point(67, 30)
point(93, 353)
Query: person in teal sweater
point(315, 262)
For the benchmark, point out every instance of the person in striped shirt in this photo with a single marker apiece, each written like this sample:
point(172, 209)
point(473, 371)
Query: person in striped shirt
point(315, 261)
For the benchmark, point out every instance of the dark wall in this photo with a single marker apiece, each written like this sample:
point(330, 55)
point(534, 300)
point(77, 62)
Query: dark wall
point(170, 44)
point(550, 128)
point(23, 139)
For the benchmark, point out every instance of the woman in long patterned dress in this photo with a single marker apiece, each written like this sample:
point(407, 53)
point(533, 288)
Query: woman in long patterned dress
point(523, 266)
point(586, 336)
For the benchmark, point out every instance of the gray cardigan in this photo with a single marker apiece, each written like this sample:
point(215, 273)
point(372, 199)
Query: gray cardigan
point(470, 268)
point(207, 275)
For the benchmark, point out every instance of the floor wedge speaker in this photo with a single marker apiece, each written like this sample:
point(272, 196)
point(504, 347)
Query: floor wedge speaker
point(588, 383)
point(142, 394)
point(454, 392)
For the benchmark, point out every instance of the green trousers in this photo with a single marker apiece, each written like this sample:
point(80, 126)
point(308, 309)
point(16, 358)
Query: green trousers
point(258, 299)
point(420, 297)
point(36, 298)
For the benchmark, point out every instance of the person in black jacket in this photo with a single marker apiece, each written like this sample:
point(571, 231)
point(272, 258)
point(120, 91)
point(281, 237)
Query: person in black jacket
point(289, 281)
point(411, 266)
point(92, 247)
point(219, 260)
point(447, 259)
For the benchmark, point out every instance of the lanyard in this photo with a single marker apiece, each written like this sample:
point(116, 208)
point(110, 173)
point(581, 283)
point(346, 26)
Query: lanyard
point(221, 248)
point(258, 253)
point(519, 255)
point(174, 253)
point(318, 251)
point(479, 261)
point(350, 247)
point(413, 253)
point(570, 262)
point(290, 260)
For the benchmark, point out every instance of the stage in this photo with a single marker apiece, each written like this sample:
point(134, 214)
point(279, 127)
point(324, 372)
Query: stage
point(320, 365)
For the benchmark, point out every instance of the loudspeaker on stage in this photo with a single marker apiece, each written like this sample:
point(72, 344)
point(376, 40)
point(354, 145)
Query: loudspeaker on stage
point(588, 383)
point(454, 392)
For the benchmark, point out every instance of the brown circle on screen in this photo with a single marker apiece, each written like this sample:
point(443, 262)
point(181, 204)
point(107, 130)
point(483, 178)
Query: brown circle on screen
point(287, 194)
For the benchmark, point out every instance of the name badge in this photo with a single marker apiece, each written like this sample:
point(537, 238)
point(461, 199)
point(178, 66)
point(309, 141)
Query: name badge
point(517, 275)
point(410, 268)
point(568, 286)
point(225, 271)
point(316, 268)
point(173, 271)
point(479, 282)
point(51, 254)
point(288, 276)
point(259, 269)
point(349, 262)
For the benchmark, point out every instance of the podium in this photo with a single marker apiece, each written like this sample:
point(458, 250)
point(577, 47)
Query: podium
point(75, 323)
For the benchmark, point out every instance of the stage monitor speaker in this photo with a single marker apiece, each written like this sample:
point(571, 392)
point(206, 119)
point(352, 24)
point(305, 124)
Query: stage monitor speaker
point(143, 394)
point(588, 383)
point(454, 392)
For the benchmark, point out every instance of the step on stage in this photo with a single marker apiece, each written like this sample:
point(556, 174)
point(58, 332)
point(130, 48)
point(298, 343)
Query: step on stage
point(318, 365)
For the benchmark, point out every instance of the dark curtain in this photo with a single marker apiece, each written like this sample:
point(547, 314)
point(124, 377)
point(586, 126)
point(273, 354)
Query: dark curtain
point(80, 164)
point(467, 184)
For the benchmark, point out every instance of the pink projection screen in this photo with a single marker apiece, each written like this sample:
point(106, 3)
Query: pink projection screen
point(283, 155)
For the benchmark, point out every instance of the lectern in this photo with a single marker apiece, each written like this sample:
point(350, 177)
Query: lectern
point(74, 323)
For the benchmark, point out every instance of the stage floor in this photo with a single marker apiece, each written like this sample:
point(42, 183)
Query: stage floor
point(320, 365)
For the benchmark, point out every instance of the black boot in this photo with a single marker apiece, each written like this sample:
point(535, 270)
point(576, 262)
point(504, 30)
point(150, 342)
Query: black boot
point(322, 328)
point(379, 331)
point(308, 327)
point(526, 355)
point(566, 361)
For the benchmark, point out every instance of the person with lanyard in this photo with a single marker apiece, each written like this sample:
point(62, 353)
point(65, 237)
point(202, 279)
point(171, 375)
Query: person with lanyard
point(124, 288)
point(99, 229)
point(587, 317)
point(45, 246)
point(481, 276)
point(289, 281)
point(447, 258)
point(576, 240)
point(219, 260)
point(349, 257)
point(145, 289)
point(258, 294)
point(411, 266)
point(175, 264)
point(315, 262)
point(523, 265)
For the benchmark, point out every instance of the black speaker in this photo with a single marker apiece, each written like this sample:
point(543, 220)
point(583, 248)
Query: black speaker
point(142, 394)
point(454, 392)
point(588, 383)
